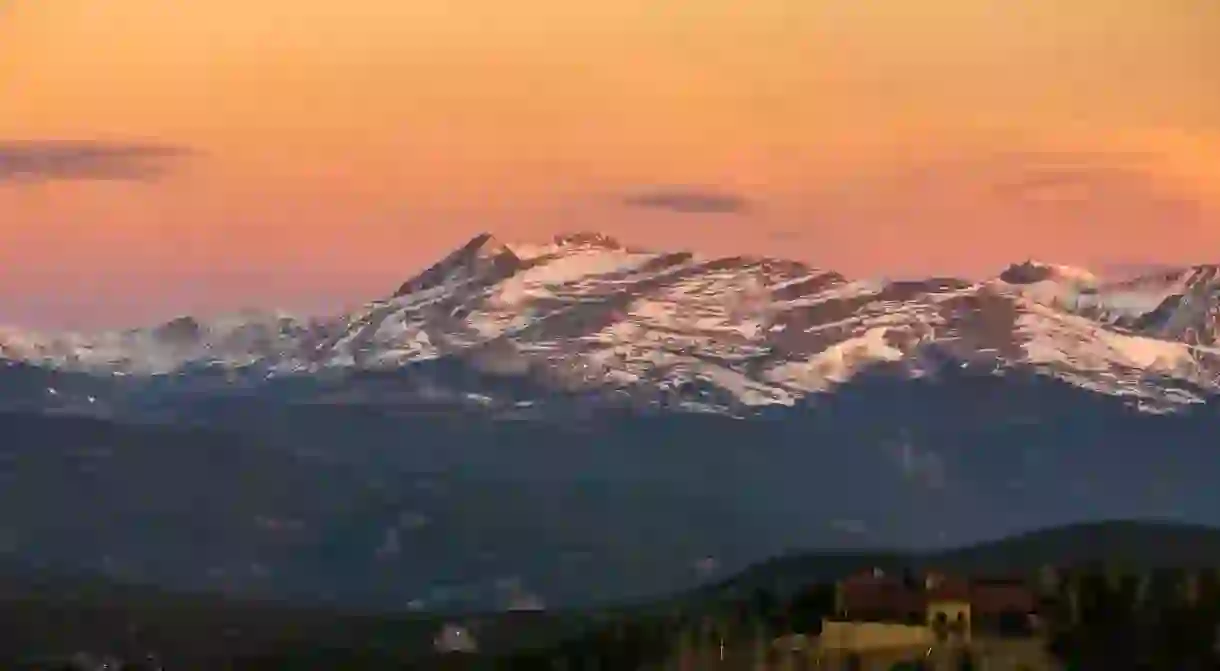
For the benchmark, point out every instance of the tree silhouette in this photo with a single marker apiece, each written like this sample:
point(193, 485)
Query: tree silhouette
point(1158, 620)
point(761, 647)
point(809, 607)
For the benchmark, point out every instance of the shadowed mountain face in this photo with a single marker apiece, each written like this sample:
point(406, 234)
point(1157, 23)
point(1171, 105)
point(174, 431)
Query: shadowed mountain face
point(354, 504)
point(582, 421)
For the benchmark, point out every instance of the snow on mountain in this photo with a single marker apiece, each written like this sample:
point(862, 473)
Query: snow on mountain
point(585, 314)
point(1049, 283)
point(1034, 272)
point(483, 259)
point(1179, 304)
point(235, 340)
point(1157, 371)
point(1174, 303)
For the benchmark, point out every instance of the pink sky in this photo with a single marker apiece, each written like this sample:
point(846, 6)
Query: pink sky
point(159, 158)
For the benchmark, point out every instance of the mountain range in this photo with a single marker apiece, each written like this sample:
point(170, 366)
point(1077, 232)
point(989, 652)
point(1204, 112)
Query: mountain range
point(507, 327)
point(582, 421)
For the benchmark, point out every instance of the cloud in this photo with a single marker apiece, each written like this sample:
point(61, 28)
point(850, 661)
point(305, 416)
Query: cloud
point(1049, 184)
point(688, 200)
point(61, 160)
point(1065, 180)
point(1120, 270)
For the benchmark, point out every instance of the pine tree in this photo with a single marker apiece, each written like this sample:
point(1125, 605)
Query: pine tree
point(1190, 587)
point(762, 647)
point(724, 634)
point(1073, 599)
point(1143, 593)
point(1113, 577)
point(787, 657)
point(1048, 580)
point(965, 660)
point(688, 650)
point(707, 637)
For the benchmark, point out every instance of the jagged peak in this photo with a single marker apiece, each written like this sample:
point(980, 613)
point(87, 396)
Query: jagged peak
point(182, 322)
point(586, 239)
point(181, 329)
point(1165, 276)
point(483, 254)
point(1204, 273)
point(483, 245)
point(1031, 271)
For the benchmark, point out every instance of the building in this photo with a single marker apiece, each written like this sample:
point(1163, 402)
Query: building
point(950, 608)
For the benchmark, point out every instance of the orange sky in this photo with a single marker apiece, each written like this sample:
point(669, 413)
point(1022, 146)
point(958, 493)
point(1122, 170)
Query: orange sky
point(338, 146)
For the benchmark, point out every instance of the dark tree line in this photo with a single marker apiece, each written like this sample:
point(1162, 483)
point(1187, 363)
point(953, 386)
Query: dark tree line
point(1105, 617)
point(1094, 617)
point(722, 633)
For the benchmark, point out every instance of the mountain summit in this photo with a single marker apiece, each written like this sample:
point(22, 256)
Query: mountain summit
point(483, 258)
point(585, 315)
point(587, 239)
point(361, 457)
point(1031, 272)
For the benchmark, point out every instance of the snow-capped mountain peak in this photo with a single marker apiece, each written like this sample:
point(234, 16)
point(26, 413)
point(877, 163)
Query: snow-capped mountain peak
point(586, 239)
point(583, 314)
point(1181, 305)
point(484, 258)
point(1032, 271)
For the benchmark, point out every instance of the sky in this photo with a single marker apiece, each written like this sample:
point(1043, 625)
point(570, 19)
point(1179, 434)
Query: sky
point(160, 158)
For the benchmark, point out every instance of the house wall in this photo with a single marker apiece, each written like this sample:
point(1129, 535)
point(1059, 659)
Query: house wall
point(951, 610)
point(872, 635)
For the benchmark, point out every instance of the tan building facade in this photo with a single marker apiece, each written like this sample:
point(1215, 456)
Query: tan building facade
point(949, 619)
point(955, 610)
point(866, 636)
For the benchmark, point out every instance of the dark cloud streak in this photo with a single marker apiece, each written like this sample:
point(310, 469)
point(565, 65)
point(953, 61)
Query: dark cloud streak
point(1069, 185)
point(684, 200)
point(1074, 183)
point(62, 160)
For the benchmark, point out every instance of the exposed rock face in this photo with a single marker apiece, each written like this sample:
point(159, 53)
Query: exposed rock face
point(583, 314)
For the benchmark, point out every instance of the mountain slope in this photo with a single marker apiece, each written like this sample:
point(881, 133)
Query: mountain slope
point(361, 504)
point(586, 317)
point(674, 417)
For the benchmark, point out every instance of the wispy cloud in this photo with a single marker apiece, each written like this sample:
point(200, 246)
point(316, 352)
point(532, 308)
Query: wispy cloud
point(688, 200)
point(1059, 185)
point(1063, 179)
point(1129, 269)
point(58, 160)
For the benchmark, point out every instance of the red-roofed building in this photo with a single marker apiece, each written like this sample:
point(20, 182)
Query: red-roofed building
point(950, 606)
point(879, 598)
